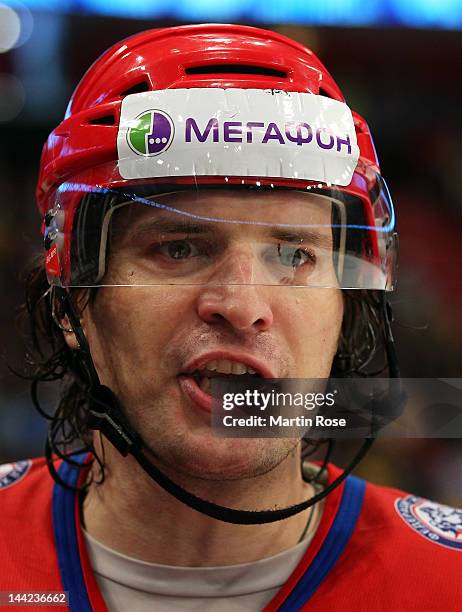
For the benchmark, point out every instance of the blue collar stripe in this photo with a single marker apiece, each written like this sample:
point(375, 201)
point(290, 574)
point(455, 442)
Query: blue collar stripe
point(66, 539)
point(333, 546)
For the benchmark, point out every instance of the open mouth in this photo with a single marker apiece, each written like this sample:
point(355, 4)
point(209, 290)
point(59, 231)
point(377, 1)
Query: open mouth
point(197, 383)
point(223, 368)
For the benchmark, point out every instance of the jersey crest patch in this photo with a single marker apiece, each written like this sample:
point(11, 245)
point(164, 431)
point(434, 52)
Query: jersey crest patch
point(435, 522)
point(10, 473)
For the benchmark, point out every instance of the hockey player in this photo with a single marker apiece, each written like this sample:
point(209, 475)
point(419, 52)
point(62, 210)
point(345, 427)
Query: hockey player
point(211, 209)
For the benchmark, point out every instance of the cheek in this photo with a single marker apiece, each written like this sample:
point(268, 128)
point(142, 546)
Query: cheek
point(128, 329)
point(314, 320)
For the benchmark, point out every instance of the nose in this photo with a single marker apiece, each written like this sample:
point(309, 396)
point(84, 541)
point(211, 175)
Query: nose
point(233, 298)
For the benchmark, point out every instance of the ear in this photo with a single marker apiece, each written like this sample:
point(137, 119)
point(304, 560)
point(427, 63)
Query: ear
point(62, 321)
point(68, 335)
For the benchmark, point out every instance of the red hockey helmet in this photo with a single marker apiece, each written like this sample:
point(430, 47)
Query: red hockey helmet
point(184, 122)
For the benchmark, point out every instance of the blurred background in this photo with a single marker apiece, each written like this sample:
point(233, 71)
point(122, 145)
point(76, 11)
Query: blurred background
point(399, 64)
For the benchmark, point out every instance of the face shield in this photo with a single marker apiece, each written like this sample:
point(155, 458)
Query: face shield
point(199, 199)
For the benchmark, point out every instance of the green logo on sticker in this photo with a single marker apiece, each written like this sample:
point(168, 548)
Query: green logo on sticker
point(151, 133)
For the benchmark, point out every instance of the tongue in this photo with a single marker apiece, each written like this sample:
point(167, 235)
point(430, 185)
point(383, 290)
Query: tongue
point(204, 384)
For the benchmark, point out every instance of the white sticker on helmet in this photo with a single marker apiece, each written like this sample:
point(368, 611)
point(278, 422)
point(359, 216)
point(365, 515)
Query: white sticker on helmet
point(236, 132)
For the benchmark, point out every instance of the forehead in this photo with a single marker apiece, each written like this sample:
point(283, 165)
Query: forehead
point(228, 209)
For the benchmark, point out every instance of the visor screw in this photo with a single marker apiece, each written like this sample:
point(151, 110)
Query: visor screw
point(48, 240)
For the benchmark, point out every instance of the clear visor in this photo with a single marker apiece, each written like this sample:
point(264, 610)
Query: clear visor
point(245, 233)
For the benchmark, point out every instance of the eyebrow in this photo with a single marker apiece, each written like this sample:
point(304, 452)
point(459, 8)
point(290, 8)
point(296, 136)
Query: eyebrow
point(302, 236)
point(168, 226)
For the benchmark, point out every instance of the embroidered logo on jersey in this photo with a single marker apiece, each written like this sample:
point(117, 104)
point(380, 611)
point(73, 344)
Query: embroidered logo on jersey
point(13, 472)
point(438, 523)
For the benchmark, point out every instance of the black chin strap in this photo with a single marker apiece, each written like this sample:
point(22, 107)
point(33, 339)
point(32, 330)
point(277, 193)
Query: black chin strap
point(106, 416)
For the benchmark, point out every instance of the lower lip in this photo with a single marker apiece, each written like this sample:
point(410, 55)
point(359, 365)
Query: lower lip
point(192, 390)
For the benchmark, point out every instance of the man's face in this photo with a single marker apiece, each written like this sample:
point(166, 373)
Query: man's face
point(207, 294)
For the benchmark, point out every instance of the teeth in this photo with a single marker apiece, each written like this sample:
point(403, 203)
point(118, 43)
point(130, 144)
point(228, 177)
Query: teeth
point(224, 366)
point(238, 368)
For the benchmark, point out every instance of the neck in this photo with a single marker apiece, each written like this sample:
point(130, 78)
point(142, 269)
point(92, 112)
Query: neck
point(131, 514)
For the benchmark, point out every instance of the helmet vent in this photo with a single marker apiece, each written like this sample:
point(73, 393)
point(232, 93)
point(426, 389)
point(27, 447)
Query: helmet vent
point(138, 88)
point(105, 120)
point(236, 69)
point(323, 92)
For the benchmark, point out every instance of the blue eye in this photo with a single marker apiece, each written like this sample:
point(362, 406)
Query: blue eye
point(293, 256)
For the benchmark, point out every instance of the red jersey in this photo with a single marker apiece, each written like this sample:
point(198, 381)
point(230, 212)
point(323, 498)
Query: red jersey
point(376, 548)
